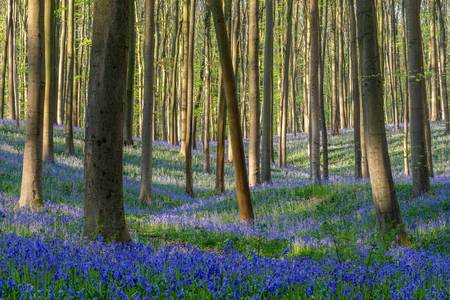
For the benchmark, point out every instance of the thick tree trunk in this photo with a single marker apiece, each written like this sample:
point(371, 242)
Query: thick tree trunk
point(242, 186)
point(383, 193)
point(31, 188)
point(421, 181)
point(253, 75)
point(145, 193)
point(103, 201)
point(49, 98)
point(266, 139)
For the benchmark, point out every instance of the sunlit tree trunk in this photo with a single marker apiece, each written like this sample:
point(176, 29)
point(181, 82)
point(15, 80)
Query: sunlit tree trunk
point(61, 67)
point(253, 75)
point(266, 138)
point(49, 98)
point(383, 193)
point(242, 186)
point(12, 109)
point(145, 193)
point(103, 200)
point(434, 64)
point(31, 188)
point(443, 63)
point(3, 71)
point(207, 100)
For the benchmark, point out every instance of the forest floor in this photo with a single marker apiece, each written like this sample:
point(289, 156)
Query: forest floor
point(307, 240)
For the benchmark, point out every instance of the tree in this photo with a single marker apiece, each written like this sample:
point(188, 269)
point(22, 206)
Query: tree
point(12, 92)
point(61, 67)
point(314, 28)
point(355, 88)
point(207, 101)
point(49, 98)
point(285, 88)
point(253, 75)
point(145, 194)
point(242, 187)
point(129, 99)
point(416, 85)
point(383, 193)
point(266, 139)
point(103, 200)
point(31, 188)
point(443, 64)
point(69, 147)
point(189, 93)
point(3, 72)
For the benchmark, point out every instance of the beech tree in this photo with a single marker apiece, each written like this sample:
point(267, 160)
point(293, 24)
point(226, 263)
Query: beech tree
point(416, 85)
point(31, 189)
point(103, 198)
point(145, 194)
point(383, 193)
point(242, 186)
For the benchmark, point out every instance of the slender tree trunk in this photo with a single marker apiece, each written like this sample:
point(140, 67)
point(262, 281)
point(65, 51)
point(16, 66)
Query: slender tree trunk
point(266, 138)
point(129, 99)
point(406, 166)
point(383, 193)
point(61, 67)
point(173, 98)
point(434, 64)
point(189, 78)
point(242, 186)
point(103, 201)
point(314, 27)
point(3, 72)
point(49, 98)
point(184, 74)
point(322, 95)
point(253, 75)
point(207, 100)
point(285, 87)
point(443, 63)
point(145, 194)
point(355, 88)
point(12, 114)
point(31, 188)
point(221, 121)
point(69, 147)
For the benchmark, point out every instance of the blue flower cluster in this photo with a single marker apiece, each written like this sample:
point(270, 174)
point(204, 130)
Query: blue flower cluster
point(36, 268)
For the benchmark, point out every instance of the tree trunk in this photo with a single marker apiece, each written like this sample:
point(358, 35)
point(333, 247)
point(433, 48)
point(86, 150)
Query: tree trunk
point(12, 113)
point(322, 95)
point(434, 64)
point(69, 147)
point(355, 88)
point(31, 188)
point(266, 138)
point(3, 72)
point(421, 181)
point(383, 193)
point(145, 194)
point(189, 65)
point(253, 75)
point(49, 98)
point(314, 27)
point(443, 64)
point(61, 67)
point(242, 187)
point(103, 201)
point(129, 99)
point(207, 100)
point(221, 121)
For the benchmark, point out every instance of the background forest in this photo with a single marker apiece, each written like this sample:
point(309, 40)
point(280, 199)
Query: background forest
point(224, 149)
